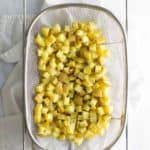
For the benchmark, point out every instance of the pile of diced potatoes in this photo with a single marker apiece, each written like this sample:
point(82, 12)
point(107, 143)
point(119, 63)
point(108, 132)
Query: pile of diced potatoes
point(71, 100)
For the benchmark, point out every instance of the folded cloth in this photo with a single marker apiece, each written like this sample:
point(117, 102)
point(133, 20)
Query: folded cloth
point(11, 92)
point(11, 132)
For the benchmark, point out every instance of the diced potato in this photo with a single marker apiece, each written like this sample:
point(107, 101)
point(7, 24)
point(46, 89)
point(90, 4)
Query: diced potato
point(78, 81)
point(63, 77)
point(89, 90)
point(98, 69)
point(78, 109)
point(105, 100)
point(61, 56)
point(56, 29)
point(97, 92)
point(49, 50)
point(50, 40)
point(82, 130)
point(78, 88)
point(55, 81)
point(65, 49)
point(87, 56)
point(80, 33)
point(87, 97)
point(75, 25)
point(85, 39)
point(106, 118)
point(92, 48)
point(43, 131)
point(100, 111)
point(37, 113)
point(50, 87)
point(39, 97)
point(93, 127)
point(45, 31)
point(67, 28)
point(83, 123)
point(60, 106)
point(61, 37)
point(46, 101)
point(39, 40)
point(44, 110)
point(85, 115)
point(69, 109)
point(66, 89)
point(72, 38)
point(46, 75)
point(48, 117)
point(55, 98)
point(108, 109)
point(93, 103)
point(83, 25)
point(87, 83)
point(93, 116)
point(78, 100)
point(59, 88)
point(61, 116)
point(66, 101)
point(60, 66)
point(39, 52)
point(71, 128)
point(42, 67)
point(86, 107)
point(39, 88)
point(91, 26)
point(87, 70)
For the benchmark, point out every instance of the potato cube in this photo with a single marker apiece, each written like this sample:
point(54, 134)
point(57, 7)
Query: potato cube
point(66, 101)
point(56, 29)
point(37, 113)
point(78, 100)
point(45, 31)
point(61, 37)
point(108, 109)
point(69, 109)
point(39, 88)
point(39, 97)
point(93, 116)
point(59, 88)
point(39, 40)
point(50, 40)
point(100, 111)
point(66, 28)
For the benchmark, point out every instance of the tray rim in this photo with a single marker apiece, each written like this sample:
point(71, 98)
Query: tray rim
point(81, 5)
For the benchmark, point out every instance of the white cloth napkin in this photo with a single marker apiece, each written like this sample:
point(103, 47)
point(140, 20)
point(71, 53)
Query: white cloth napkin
point(11, 93)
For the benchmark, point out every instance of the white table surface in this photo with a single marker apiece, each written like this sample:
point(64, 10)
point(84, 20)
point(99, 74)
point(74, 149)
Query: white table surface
point(139, 14)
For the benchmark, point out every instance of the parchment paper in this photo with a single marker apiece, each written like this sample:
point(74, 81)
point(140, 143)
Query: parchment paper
point(115, 72)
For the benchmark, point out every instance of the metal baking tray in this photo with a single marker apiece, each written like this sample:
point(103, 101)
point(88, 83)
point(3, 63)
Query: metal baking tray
point(117, 66)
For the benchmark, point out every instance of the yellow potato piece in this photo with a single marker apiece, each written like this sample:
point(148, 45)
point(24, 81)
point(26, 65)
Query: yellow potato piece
point(45, 31)
point(39, 40)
